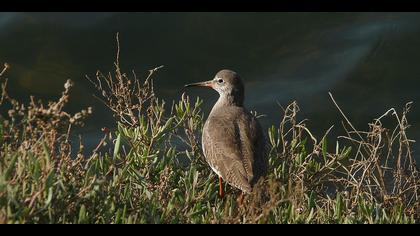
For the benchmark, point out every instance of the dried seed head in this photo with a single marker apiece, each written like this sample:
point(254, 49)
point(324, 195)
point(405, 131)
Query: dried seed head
point(68, 84)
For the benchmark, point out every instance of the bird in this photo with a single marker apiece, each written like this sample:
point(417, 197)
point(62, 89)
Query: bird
point(233, 141)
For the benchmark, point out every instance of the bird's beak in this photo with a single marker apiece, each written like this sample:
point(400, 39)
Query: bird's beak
point(201, 84)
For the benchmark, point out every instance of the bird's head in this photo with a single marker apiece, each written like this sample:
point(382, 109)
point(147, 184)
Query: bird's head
point(227, 83)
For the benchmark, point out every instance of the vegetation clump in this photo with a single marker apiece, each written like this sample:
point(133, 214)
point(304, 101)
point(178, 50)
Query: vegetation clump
point(155, 171)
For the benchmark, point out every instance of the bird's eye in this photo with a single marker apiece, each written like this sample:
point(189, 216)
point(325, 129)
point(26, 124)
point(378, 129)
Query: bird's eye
point(220, 81)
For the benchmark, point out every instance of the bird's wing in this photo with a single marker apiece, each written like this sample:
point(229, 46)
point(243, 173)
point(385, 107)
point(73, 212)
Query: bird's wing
point(253, 146)
point(227, 148)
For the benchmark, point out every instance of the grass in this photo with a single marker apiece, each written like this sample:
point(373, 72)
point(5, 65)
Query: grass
point(154, 170)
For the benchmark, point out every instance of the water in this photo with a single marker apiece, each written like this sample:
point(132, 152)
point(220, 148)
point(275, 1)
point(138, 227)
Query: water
point(369, 61)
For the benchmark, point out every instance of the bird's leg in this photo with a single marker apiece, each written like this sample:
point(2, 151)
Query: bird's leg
point(242, 198)
point(221, 193)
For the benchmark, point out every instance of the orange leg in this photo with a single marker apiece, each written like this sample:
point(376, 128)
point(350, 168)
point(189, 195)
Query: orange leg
point(242, 198)
point(221, 192)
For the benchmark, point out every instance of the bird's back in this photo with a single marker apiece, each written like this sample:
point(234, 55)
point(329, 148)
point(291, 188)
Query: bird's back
point(234, 146)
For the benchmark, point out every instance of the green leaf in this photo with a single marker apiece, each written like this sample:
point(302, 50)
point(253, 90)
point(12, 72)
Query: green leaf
point(46, 153)
point(82, 215)
point(339, 206)
point(324, 149)
point(50, 180)
point(118, 216)
point(117, 145)
point(337, 148)
point(271, 135)
point(10, 167)
point(311, 200)
point(168, 124)
point(49, 197)
point(310, 216)
point(346, 153)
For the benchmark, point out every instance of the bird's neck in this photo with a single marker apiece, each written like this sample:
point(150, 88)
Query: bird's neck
point(230, 100)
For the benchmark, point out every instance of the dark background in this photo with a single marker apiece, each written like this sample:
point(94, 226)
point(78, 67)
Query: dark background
point(369, 61)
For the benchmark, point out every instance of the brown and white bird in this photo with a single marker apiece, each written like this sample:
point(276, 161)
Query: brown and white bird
point(232, 139)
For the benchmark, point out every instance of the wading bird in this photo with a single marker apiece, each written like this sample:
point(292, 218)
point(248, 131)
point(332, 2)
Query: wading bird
point(232, 139)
